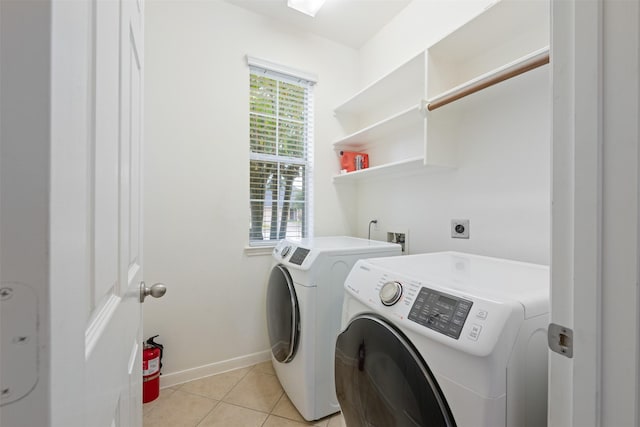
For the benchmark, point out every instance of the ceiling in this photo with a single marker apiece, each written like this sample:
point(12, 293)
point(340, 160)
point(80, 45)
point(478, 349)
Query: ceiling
point(349, 22)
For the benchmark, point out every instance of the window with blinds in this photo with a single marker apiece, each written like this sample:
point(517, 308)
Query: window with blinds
point(280, 163)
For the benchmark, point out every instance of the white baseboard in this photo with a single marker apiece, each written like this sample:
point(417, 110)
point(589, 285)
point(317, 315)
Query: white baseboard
point(175, 378)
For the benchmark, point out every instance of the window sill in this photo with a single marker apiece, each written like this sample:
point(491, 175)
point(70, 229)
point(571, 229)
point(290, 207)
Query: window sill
point(258, 250)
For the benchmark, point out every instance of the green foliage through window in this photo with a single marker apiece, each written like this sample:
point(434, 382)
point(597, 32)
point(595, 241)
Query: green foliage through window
point(279, 129)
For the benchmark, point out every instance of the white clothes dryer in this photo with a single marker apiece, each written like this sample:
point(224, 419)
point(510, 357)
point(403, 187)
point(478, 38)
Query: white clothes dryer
point(444, 339)
point(304, 306)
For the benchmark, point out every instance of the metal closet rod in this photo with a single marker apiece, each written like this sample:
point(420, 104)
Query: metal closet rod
point(509, 72)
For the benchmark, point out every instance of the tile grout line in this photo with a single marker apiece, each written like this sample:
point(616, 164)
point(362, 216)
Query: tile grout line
point(224, 395)
point(207, 414)
point(154, 406)
point(251, 368)
point(270, 413)
point(217, 402)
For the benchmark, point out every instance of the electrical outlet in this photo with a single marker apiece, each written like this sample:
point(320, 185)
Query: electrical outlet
point(460, 228)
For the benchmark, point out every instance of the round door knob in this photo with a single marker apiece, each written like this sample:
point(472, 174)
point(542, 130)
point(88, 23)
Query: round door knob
point(390, 293)
point(156, 291)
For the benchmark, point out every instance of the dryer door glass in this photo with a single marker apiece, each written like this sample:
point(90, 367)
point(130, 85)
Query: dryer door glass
point(381, 380)
point(283, 316)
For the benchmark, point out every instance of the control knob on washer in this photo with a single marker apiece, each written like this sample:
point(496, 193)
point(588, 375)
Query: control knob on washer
point(390, 293)
point(285, 251)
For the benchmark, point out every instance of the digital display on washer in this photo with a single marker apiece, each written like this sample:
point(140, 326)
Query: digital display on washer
point(299, 256)
point(441, 312)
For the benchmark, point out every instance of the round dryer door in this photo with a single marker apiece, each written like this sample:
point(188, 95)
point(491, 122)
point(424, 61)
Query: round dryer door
point(283, 315)
point(381, 380)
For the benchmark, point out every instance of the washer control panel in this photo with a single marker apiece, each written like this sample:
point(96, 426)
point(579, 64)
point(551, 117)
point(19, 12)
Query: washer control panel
point(438, 307)
point(441, 312)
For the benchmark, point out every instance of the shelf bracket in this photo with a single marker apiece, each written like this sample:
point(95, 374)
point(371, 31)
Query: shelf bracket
point(424, 107)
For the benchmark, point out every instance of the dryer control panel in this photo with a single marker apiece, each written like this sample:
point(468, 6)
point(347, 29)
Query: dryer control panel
point(283, 250)
point(299, 256)
point(441, 312)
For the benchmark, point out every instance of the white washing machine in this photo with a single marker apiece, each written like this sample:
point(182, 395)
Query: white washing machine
point(304, 305)
point(444, 339)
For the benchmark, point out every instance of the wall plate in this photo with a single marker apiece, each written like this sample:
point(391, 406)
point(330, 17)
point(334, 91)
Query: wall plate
point(460, 228)
point(401, 238)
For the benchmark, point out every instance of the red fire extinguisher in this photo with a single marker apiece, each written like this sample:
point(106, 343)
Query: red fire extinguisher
point(151, 364)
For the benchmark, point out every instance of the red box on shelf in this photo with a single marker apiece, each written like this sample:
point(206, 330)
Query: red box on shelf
point(353, 160)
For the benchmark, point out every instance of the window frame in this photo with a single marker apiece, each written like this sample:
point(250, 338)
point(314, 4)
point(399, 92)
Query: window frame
point(280, 73)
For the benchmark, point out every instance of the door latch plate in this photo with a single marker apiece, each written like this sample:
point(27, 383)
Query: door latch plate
point(560, 340)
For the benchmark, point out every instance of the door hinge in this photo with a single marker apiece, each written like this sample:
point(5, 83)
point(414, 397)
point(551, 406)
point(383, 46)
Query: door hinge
point(560, 340)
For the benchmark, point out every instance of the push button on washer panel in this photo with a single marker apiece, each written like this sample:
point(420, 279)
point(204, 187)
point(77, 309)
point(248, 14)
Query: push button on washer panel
point(482, 314)
point(474, 333)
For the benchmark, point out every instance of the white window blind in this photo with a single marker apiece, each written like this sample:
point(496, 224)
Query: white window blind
point(281, 154)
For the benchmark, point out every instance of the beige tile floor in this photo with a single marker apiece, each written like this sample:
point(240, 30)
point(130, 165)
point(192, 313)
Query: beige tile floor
point(247, 397)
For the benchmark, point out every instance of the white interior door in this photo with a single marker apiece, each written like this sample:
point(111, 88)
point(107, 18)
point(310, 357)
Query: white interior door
point(96, 198)
point(595, 216)
point(114, 331)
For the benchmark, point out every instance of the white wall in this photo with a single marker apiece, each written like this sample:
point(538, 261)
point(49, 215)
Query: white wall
point(419, 25)
point(196, 208)
point(196, 175)
point(502, 182)
point(25, 122)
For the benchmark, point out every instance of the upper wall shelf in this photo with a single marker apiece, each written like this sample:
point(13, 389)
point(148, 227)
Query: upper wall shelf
point(384, 130)
point(403, 166)
point(399, 81)
point(508, 38)
point(501, 34)
point(505, 72)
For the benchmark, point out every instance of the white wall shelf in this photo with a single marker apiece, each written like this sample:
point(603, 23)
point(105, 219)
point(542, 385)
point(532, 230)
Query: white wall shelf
point(402, 79)
point(385, 121)
point(529, 60)
point(403, 166)
point(383, 131)
point(501, 34)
